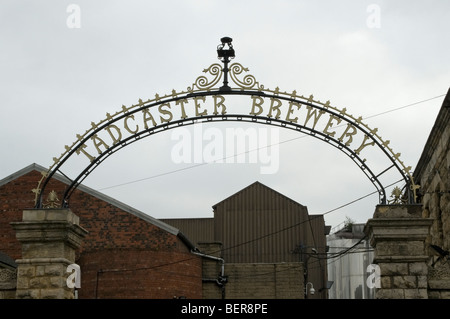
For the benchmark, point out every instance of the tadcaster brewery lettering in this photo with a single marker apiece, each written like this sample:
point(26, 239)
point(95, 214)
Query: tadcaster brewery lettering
point(196, 107)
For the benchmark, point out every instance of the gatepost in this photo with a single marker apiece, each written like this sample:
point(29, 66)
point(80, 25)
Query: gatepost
point(398, 234)
point(49, 239)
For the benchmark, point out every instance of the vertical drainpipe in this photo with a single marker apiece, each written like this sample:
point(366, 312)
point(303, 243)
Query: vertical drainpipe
point(222, 280)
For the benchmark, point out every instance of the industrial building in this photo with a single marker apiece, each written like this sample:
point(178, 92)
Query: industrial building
point(260, 244)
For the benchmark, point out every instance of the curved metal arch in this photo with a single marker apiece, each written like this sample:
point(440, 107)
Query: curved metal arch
point(235, 118)
point(245, 86)
point(210, 118)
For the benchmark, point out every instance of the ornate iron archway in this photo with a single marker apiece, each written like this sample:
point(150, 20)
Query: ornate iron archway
point(203, 101)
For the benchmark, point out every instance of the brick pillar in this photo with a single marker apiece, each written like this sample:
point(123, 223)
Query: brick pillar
point(398, 234)
point(49, 238)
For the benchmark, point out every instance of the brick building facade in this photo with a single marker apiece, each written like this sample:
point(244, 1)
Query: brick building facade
point(125, 254)
point(128, 254)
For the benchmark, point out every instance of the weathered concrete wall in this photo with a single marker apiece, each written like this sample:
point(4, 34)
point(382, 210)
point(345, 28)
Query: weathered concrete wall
point(265, 281)
point(212, 288)
point(251, 280)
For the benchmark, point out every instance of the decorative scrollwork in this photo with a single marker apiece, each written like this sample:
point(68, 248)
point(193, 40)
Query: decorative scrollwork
point(202, 82)
point(248, 81)
point(52, 200)
point(37, 190)
point(397, 195)
point(242, 81)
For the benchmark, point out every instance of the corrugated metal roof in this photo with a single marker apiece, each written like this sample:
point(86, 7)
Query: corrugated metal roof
point(198, 230)
point(258, 224)
point(252, 185)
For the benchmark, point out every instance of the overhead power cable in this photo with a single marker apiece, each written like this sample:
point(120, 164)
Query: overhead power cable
point(337, 254)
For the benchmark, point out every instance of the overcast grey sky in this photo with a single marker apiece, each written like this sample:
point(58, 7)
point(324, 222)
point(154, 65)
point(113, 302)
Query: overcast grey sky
point(57, 75)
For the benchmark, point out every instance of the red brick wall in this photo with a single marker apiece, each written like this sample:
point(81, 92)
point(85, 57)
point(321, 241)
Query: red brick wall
point(117, 273)
point(116, 240)
point(110, 227)
point(14, 198)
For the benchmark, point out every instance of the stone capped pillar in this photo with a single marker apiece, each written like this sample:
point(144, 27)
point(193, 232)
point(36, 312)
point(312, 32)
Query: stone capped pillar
point(398, 234)
point(49, 239)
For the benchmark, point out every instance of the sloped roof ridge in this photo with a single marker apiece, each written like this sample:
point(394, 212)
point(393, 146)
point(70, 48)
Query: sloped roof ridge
point(97, 194)
point(256, 183)
point(21, 172)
